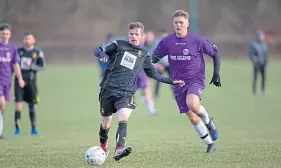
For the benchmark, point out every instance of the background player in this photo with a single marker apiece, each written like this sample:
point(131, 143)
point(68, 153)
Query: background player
point(9, 62)
point(186, 60)
point(119, 84)
point(143, 82)
point(31, 61)
point(163, 65)
point(258, 53)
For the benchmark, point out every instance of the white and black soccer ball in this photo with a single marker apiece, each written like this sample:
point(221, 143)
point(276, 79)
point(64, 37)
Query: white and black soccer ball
point(95, 156)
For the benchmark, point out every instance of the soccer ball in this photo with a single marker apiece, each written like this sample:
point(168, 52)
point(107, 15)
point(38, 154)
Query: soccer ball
point(95, 156)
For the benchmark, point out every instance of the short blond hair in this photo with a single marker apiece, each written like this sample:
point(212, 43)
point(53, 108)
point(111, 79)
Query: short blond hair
point(179, 13)
point(136, 25)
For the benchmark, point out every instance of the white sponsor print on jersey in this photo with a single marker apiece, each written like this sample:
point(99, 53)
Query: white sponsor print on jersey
point(8, 55)
point(128, 60)
point(184, 57)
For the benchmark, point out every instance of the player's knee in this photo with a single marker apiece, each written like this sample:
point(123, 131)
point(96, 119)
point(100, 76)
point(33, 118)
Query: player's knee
point(31, 107)
point(194, 107)
point(2, 108)
point(106, 125)
point(193, 103)
point(193, 117)
point(106, 122)
point(3, 105)
point(124, 114)
point(19, 106)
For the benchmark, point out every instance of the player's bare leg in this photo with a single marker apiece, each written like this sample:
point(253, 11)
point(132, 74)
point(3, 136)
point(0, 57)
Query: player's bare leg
point(2, 109)
point(193, 103)
point(19, 107)
point(123, 116)
point(104, 129)
point(149, 101)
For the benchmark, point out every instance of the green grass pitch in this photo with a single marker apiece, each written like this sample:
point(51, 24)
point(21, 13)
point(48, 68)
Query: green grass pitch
point(68, 121)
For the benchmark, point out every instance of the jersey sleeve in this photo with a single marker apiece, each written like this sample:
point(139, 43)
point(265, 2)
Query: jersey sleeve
point(109, 47)
point(160, 51)
point(105, 50)
point(39, 62)
point(151, 72)
point(15, 58)
point(209, 48)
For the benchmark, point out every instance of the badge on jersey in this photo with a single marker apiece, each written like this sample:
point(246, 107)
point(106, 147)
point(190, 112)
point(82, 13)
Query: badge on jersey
point(128, 60)
point(139, 53)
point(8, 55)
point(185, 51)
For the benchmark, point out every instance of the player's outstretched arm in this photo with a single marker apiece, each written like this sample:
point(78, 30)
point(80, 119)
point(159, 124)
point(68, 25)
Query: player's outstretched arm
point(103, 52)
point(39, 63)
point(212, 50)
point(159, 52)
point(151, 72)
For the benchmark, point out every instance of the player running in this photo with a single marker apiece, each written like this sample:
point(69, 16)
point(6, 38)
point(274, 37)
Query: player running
point(118, 85)
point(185, 51)
point(31, 62)
point(9, 62)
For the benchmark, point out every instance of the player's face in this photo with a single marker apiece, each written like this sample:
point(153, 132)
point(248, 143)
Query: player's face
point(262, 37)
point(180, 25)
point(5, 35)
point(29, 40)
point(135, 36)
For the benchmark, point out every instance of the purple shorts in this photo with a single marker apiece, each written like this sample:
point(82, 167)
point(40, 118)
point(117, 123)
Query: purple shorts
point(142, 80)
point(195, 89)
point(5, 91)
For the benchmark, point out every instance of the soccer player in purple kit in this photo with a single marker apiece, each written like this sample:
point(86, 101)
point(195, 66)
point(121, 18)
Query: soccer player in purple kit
point(9, 63)
point(185, 51)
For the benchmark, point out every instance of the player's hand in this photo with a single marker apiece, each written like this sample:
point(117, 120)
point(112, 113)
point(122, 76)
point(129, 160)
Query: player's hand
point(216, 81)
point(27, 63)
point(104, 59)
point(21, 83)
point(179, 83)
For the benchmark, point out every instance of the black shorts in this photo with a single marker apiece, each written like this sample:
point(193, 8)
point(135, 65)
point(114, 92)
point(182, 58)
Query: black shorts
point(28, 93)
point(111, 102)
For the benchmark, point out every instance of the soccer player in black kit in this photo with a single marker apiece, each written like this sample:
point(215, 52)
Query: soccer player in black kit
point(118, 85)
point(31, 61)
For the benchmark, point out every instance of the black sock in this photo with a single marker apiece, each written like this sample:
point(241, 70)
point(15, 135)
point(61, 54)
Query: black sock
point(121, 134)
point(17, 119)
point(32, 116)
point(103, 134)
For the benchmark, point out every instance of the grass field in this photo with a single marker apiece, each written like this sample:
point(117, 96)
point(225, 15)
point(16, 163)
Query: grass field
point(68, 121)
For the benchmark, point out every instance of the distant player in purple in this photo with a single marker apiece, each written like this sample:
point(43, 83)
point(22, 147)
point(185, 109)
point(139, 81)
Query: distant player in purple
point(185, 51)
point(9, 63)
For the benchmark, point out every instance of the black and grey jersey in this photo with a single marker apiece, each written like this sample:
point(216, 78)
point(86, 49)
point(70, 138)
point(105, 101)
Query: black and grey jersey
point(35, 56)
point(125, 61)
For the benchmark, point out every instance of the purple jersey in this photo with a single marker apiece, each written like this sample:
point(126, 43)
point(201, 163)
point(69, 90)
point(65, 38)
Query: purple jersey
point(8, 57)
point(186, 58)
